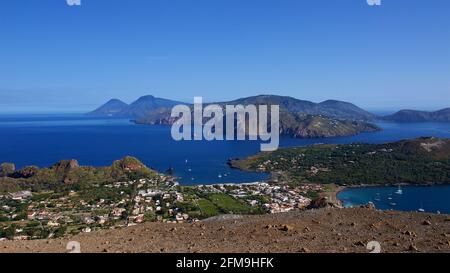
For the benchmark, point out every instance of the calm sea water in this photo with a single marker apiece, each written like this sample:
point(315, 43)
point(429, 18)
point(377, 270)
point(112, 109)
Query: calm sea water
point(430, 199)
point(44, 139)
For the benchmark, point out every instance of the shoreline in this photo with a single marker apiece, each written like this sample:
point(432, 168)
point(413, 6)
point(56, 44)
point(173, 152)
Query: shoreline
point(335, 194)
point(383, 186)
point(332, 196)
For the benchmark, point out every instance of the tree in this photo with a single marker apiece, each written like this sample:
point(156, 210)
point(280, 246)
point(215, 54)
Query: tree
point(61, 231)
point(10, 232)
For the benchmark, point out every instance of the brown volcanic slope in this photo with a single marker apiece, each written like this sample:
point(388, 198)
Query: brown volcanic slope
point(323, 230)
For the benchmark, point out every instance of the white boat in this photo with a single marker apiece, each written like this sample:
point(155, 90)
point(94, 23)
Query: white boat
point(219, 176)
point(393, 204)
point(421, 208)
point(399, 191)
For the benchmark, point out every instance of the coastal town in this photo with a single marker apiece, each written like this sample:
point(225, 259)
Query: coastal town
point(26, 215)
point(70, 199)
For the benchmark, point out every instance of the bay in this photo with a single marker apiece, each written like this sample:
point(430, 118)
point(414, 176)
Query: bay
point(42, 140)
point(431, 199)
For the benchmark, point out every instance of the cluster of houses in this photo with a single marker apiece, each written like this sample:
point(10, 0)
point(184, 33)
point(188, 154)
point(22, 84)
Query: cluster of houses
point(156, 195)
point(294, 162)
point(271, 165)
point(155, 199)
point(158, 200)
point(275, 197)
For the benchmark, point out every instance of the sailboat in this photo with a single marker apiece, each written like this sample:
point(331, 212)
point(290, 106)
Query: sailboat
point(399, 190)
point(377, 197)
point(421, 208)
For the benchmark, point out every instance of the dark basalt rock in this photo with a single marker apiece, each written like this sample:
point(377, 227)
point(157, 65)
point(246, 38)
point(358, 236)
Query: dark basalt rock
point(368, 206)
point(26, 172)
point(64, 166)
point(321, 202)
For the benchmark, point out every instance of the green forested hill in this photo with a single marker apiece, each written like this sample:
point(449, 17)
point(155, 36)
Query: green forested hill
point(419, 161)
point(67, 174)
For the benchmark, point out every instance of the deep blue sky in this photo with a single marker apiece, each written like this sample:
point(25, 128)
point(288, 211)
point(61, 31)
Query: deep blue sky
point(54, 57)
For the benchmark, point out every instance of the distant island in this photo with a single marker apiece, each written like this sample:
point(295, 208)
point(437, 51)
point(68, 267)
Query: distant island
point(152, 110)
point(298, 118)
point(146, 105)
point(419, 116)
point(141, 108)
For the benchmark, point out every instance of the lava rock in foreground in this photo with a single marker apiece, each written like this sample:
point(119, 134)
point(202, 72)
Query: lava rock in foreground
point(318, 230)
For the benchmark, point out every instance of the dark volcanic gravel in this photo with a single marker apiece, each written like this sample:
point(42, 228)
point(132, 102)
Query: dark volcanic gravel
point(323, 230)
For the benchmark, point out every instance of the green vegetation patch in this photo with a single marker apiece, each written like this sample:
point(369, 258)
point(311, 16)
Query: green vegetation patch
point(419, 161)
point(68, 175)
point(220, 203)
point(207, 208)
point(228, 204)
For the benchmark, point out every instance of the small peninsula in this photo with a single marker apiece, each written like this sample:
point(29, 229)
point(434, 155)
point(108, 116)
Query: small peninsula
point(419, 161)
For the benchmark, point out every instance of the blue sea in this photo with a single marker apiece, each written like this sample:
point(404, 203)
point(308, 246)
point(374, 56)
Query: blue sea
point(412, 198)
point(42, 140)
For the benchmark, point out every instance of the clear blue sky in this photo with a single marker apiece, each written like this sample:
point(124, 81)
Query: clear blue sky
point(56, 57)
